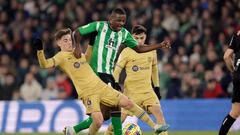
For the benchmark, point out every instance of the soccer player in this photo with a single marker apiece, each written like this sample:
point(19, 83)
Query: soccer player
point(91, 90)
point(102, 54)
point(232, 64)
point(141, 71)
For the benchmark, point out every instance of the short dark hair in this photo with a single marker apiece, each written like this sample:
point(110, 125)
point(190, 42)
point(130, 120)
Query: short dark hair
point(120, 11)
point(62, 32)
point(138, 29)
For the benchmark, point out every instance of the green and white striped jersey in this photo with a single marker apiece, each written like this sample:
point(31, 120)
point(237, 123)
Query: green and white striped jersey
point(106, 45)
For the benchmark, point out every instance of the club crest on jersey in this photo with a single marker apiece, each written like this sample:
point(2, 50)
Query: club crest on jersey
point(76, 64)
point(135, 68)
point(111, 43)
point(89, 102)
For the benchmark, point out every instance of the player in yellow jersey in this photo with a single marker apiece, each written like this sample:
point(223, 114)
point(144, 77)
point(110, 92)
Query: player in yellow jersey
point(91, 90)
point(141, 71)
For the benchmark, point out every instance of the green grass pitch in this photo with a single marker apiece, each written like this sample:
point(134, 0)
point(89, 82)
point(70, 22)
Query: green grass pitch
point(145, 133)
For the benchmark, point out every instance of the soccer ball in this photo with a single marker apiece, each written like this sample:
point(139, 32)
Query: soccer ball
point(132, 129)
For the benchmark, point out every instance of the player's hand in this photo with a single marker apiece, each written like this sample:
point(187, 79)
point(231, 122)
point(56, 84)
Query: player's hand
point(77, 52)
point(38, 43)
point(157, 92)
point(165, 45)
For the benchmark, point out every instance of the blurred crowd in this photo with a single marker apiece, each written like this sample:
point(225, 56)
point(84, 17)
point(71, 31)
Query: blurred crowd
point(199, 31)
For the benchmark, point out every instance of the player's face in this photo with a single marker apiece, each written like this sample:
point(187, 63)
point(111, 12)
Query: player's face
point(65, 43)
point(117, 21)
point(140, 38)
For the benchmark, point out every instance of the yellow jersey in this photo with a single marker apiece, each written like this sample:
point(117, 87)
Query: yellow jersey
point(141, 70)
point(84, 79)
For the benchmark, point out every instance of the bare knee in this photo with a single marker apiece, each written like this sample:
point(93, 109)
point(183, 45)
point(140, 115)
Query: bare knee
point(97, 119)
point(129, 104)
point(125, 103)
point(99, 123)
point(235, 113)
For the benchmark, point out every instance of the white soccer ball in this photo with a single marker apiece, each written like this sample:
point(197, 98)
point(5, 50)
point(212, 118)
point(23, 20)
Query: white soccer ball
point(132, 129)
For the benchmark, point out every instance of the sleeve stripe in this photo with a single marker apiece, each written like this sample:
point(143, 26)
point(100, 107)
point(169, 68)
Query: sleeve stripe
point(230, 44)
point(125, 36)
point(98, 23)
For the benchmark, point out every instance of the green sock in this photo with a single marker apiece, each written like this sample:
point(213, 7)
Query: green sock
point(83, 125)
point(116, 123)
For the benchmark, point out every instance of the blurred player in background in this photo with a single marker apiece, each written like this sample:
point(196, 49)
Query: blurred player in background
point(232, 60)
point(102, 54)
point(141, 71)
point(89, 87)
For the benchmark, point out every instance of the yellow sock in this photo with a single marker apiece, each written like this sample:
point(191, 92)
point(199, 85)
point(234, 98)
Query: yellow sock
point(141, 114)
point(93, 129)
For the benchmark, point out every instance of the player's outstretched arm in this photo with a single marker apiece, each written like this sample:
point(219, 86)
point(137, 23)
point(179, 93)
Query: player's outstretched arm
point(43, 62)
point(147, 48)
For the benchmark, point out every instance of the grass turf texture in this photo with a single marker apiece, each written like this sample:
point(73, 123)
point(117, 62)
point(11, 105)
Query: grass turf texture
point(144, 133)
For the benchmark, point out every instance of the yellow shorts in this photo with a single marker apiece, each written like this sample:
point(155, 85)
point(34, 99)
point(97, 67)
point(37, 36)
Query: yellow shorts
point(143, 100)
point(105, 95)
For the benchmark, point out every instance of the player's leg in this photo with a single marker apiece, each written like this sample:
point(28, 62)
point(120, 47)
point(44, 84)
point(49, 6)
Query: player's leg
point(114, 98)
point(92, 104)
point(96, 124)
point(158, 114)
point(126, 103)
point(109, 130)
point(83, 125)
point(106, 111)
point(115, 112)
point(230, 119)
point(235, 111)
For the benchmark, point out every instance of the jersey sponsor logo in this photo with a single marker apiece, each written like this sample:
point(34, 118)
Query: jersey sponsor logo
point(144, 68)
point(237, 64)
point(110, 43)
point(135, 68)
point(76, 64)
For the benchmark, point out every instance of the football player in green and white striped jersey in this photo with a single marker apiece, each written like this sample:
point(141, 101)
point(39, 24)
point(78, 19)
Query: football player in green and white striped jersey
point(107, 40)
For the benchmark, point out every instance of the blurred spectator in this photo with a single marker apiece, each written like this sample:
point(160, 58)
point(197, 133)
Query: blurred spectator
point(8, 87)
point(30, 90)
point(64, 84)
point(174, 86)
point(51, 91)
point(212, 88)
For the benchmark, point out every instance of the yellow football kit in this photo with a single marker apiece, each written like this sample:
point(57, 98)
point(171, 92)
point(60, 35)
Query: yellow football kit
point(141, 70)
point(89, 87)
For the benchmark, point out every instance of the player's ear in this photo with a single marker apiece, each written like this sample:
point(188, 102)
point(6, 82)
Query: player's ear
point(109, 18)
point(58, 43)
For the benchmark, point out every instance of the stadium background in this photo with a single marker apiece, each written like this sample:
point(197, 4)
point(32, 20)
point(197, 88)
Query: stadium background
point(193, 77)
